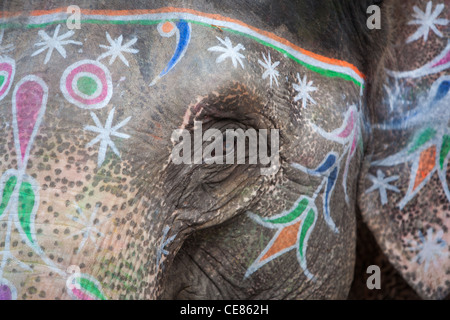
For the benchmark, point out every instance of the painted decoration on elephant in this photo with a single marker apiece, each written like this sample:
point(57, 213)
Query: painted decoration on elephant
point(104, 134)
point(116, 49)
point(7, 72)
point(294, 228)
point(89, 226)
point(162, 251)
point(429, 149)
point(87, 84)
point(429, 250)
point(270, 69)
point(178, 21)
point(304, 88)
point(19, 191)
point(427, 21)
point(349, 135)
point(84, 287)
point(295, 225)
point(182, 30)
point(228, 51)
point(440, 63)
point(55, 42)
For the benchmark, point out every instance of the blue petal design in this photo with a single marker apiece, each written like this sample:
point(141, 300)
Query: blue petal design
point(184, 29)
point(327, 164)
point(331, 182)
point(443, 89)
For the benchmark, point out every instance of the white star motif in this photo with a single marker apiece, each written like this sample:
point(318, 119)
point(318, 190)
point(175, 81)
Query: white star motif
point(427, 20)
point(382, 184)
point(270, 69)
point(428, 249)
point(116, 48)
point(229, 52)
point(90, 229)
point(104, 135)
point(6, 48)
point(55, 42)
point(304, 88)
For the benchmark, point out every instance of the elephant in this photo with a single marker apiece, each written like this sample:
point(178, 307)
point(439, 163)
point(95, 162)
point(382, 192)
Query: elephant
point(116, 118)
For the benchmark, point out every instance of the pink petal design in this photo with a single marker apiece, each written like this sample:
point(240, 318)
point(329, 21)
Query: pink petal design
point(443, 61)
point(355, 140)
point(7, 71)
point(349, 128)
point(29, 103)
point(5, 292)
point(81, 295)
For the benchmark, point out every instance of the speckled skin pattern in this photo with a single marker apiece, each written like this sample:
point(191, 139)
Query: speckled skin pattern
point(140, 195)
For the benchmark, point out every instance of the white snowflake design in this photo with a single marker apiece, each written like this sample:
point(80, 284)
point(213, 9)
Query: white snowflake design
point(304, 88)
point(6, 48)
point(427, 20)
point(429, 249)
point(116, 49)
point(55, 42)
point(270, 69)
point(104, 135)
point(228, 51)
point(382, 184)
point(90, 229)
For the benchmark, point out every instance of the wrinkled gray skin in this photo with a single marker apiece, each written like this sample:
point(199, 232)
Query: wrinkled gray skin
point(203, 207)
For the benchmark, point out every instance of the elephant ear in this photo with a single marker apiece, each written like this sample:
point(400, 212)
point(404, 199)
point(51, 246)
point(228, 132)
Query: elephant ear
point(403, 194)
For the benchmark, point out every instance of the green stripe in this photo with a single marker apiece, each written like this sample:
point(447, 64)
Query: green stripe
point(26, 205)
point(294, 214)
point(322, 71)
point(87, 21)
point(309, 221)
point(445, 149)
point(7, 192)
point(90, 287)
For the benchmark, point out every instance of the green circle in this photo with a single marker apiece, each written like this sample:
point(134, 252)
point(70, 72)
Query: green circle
point(2, 80)
point(87, 85)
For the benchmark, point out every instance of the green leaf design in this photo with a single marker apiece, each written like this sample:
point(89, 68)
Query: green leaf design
point(7, 192)
point(25, 208)
point(309, 222)
point(423, 138)
point(91, 288)
point(445, 149)
point(291, 216)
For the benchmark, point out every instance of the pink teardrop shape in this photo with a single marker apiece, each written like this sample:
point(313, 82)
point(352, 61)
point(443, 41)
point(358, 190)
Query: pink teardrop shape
point(29, 97)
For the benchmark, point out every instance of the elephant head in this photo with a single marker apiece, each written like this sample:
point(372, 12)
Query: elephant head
point(213, 149)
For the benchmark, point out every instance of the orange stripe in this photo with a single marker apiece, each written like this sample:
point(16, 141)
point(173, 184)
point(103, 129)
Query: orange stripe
point(207, 15)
